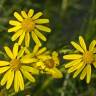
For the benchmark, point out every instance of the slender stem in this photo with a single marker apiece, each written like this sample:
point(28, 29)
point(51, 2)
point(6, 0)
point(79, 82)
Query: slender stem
point(64, 6)
point(64, 85)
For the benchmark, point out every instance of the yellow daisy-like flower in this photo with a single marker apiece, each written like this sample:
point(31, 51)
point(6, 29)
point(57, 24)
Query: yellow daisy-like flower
point(26, 24)
point(14, 69)
point(46, 63)
point(51, 66)
point(81, 62)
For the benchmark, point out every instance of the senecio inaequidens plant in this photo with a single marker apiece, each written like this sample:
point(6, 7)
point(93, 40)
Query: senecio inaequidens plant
point(26, 64)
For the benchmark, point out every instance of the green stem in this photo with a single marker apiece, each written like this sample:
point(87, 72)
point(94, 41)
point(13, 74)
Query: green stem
point(64, 6)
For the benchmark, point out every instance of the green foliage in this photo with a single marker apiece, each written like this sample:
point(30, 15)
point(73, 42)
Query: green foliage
point(68, 20)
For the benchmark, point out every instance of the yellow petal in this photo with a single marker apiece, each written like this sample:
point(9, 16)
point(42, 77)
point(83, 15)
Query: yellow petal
point(94, 51)
point(28, 60)
point(10, 79)
point(5, 78)
point(43, 28)
point(72, 56)
point(78, 71)
point(56, 73)
point(21, 52)
point(55, 57)
point(36, 48)
point(47, 52)
point(35, 38)
point(40, 65)
point(27, 39)
point(14, 22)
point(16, 83)
point(73, 63)
point(4, 63)
point(42, 21)
point(54, 54)
point(30, 69)
point(18, 17)
point(40, 35)
point(3, 69)
point(94, 64)
point(37, 15)
point(82, 43)
point(16, 35)
point(30, 13)
point(88, 73)
point(8, 52)
point(83, 74)
point(29, 55)
point(20, 80)
point(92, 45)
point(42, 50)
point(28, 75)
point(14, 28)
point(27, 51)
point(44, 57)
point(73, 68)
point(21, 38)
point(23, 13)
point(77, 46)
point(15, 50)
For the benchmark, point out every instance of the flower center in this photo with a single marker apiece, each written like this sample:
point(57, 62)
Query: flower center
point(15, 64)
point(28, 25)
point(49, 63)
point(88, 57)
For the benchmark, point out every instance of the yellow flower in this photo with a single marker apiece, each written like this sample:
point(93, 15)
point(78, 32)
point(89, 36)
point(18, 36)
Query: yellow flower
point(14, 69)
point(46, 63)
point(28, 23)
point(81, 62)
point(51, 66)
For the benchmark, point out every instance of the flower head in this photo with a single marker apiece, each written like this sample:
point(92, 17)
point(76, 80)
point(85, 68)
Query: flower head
point(46, 63)
point(51, 65)
point(16, 68)
point(26, 24)
point(82, 61)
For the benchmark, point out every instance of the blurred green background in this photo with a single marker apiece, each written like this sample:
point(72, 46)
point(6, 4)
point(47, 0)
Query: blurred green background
point(68, 20)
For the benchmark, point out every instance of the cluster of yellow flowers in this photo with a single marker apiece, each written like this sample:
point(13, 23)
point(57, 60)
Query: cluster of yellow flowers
point(81, 62)
point(25, 64)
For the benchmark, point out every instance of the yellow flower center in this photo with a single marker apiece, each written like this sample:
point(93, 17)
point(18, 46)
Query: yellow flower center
point(28, 25)
point(88, 57)
point(15, 64)
point(49, 63)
